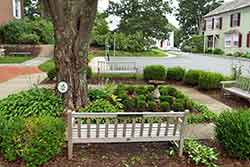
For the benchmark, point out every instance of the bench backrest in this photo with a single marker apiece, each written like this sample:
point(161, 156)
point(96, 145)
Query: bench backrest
point(243, 83)
point(125, 127)
point(116, 67)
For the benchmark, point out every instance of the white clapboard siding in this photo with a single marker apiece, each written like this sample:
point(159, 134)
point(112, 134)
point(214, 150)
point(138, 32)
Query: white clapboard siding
point(123, 127)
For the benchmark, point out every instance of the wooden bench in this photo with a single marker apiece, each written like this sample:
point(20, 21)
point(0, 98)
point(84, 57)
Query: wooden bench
point(105, 67)
point(239, 87)
point(126, 127)
point(20, 53)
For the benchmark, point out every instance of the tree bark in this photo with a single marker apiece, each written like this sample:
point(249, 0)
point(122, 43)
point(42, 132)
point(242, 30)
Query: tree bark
point(73, 21)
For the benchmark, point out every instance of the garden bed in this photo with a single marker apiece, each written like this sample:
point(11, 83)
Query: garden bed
point(134, 155)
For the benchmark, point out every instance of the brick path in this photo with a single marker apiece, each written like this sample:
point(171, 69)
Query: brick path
point(10, 72)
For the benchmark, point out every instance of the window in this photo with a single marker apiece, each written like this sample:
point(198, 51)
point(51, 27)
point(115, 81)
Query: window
point(248, 40)
point(235, 20)
point(227, 40)
point(218, 23)
point(209, 23)
point(16, 8)
point(233, 39)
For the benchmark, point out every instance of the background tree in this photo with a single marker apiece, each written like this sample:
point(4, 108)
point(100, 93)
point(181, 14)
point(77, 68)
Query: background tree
point(32, 8)
point(148, 16)
point(73, 21)
point(190, 13)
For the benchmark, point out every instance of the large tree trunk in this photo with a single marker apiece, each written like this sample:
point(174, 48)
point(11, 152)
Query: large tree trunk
point(73, 21)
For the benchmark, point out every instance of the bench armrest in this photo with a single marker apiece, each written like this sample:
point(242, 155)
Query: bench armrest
point(228, 83)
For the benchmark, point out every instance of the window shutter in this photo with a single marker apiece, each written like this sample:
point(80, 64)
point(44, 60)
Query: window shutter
point(248, 40)
point(220, 22)
point(240, 40)
point(238, 19)
point(231, 20)
point(205, 25)
point(213, 23)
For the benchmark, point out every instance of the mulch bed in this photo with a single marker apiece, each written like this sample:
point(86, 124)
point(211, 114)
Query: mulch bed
point(127, 155)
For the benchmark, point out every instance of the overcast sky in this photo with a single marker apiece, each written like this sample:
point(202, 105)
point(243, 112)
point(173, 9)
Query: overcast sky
point(103, 4)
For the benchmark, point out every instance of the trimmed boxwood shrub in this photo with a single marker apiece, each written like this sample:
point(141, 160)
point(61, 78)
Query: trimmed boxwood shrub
point(218, 51)
point(233, 133)
point(192, 77)
point(34, 102)
point(168, 99)
point(179, 105)
point(175, 73)
point(35, 140)
point(210, 80)
point(164, 106)
point(154, 72)
point(152, 106)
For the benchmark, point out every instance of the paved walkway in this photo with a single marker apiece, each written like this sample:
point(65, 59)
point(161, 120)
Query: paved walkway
point(212, 104)
point(19, 77)
point(20, 83)
point(202, 131)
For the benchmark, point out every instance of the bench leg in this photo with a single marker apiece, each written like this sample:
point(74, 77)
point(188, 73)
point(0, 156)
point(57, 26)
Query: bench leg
point(70, 150)
point(181, 146)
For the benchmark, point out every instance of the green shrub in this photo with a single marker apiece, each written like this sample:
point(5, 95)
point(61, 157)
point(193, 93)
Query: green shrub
point(154, 72)
point(164, 106)
point(141, 90)
point(172, 91)
point(163, 90)
point(180, 95)
point(218, 51)
point(95, 94)
point(229, 54)
point(35, 140)
point(237, 54)
point(203, 114)
point(209, 51)
point(200, 154)
point(129, 104)
point(233, 133)
point(10, 137)
point(100, 105)
point(42, 139)
point(29, 39)
point(141, 105)
point(152, 106)
point(52, 74)
point(175, 73)
point(26, 31)
point(192, 77)
point(179, 105)
point(210, 80)
point(34, 102)
point(168, 99)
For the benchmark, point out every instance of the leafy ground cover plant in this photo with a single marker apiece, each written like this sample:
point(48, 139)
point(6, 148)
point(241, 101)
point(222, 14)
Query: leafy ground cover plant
point(200, 154)
point(34, 102)
point(100, 105)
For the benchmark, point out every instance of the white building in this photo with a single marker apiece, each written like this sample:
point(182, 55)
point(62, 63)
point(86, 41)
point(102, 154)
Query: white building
point(167, 44)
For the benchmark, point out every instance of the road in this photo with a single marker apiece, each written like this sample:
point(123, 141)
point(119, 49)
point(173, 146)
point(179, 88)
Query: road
point(219, 64)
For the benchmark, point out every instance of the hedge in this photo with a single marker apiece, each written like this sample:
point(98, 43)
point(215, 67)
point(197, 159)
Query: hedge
point(154, 72)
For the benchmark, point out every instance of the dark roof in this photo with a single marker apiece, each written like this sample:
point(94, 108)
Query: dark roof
point(229, 6)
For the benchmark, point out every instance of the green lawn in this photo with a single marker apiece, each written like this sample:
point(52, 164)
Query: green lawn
point(47, 66)
point(150, 53)
point(14, 59)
